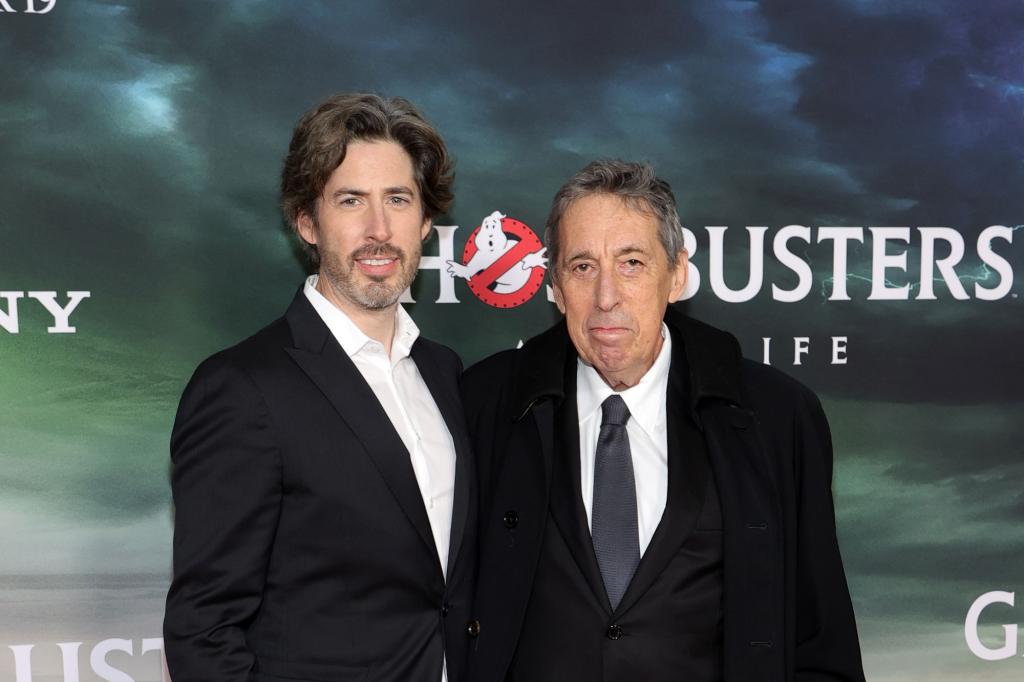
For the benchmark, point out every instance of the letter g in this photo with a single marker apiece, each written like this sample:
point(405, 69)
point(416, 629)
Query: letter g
point(1009, 647)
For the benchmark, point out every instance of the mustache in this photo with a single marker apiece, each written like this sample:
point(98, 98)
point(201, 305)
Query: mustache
point(378, 251)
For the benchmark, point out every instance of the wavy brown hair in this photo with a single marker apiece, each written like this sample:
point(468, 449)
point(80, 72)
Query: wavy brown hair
point(322, 135)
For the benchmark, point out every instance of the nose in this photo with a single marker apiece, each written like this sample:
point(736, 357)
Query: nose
point(378, 225)
point(607, 294)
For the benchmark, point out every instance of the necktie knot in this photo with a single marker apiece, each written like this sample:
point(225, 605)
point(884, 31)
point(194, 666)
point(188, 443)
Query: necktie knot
point(614, 411)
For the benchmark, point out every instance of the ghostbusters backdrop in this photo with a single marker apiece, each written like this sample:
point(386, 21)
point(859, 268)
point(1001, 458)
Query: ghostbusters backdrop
point(850, 174)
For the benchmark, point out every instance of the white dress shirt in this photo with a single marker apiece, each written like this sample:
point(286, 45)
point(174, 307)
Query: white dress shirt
point(408, 403)
point(648, 439)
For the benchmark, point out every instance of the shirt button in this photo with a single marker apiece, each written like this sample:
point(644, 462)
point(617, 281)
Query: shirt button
point(511, 519)
point(614, 632)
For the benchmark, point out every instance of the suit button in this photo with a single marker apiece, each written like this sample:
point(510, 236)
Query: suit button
point(473, 629)
point(511, 519)
point(445, 607)
point(614, 632)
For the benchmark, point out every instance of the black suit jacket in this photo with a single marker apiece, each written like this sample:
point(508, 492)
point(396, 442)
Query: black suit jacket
point(302, 549)
point(787, 614)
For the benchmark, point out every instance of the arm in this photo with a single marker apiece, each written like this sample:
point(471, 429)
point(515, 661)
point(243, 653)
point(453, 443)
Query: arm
point(827, 648)
point(226, 482)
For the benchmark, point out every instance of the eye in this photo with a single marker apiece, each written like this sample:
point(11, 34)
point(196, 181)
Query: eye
point(349, 201)
point(583, 270)
point(633, 264)
point(398, 200)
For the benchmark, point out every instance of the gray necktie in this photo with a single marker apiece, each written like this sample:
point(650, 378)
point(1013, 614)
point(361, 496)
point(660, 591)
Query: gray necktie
point(613, 524)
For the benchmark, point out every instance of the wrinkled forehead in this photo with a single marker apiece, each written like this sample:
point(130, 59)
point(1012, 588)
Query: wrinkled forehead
point(613, 202)
point(609, 220)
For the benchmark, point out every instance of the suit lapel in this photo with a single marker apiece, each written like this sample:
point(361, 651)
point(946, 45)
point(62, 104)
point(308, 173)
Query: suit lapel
point(451, 410)
point(687, 486)
point(566, 492)
point(320, 356)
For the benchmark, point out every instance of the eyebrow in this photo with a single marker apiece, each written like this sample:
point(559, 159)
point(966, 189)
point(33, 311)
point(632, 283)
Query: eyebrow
point(345, 191)
point(625, 250)
point(580, 255)
point(631, 248)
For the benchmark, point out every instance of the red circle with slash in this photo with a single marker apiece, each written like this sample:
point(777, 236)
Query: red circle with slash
point(481, 282)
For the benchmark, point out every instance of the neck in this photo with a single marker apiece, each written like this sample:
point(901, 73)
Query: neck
point(378, 324)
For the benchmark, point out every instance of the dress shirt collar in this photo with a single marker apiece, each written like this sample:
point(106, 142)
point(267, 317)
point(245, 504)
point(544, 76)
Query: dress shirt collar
point(351, 337)
point(645, 400)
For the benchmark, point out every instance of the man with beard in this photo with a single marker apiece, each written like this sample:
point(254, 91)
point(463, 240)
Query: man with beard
point(324, 500)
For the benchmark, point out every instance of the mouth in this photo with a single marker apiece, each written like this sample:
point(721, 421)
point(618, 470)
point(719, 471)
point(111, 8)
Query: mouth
point(377, 267)
point(608, 333)
point(377, 262)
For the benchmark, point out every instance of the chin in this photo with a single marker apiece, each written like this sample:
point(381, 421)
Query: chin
point(610, 365)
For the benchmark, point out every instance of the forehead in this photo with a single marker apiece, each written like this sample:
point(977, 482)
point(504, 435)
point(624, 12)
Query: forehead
point(606, 220)
point(373, 162)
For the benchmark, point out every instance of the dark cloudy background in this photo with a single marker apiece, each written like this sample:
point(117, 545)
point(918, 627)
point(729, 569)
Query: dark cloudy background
point(140, 145)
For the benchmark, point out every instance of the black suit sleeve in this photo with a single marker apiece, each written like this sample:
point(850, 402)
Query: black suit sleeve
point(226, 482)
point(827, 647)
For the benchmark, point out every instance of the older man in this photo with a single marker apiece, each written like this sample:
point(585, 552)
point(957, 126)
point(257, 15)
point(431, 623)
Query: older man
point(323, 490)
point(653, 506)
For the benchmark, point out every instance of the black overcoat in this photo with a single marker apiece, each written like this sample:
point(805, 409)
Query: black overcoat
point(786, 607)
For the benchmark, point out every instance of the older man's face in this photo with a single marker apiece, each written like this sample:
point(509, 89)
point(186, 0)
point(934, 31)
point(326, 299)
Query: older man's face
point(614, 283)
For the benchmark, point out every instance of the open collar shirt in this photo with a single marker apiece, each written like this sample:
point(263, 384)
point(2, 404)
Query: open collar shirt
point(408, 403)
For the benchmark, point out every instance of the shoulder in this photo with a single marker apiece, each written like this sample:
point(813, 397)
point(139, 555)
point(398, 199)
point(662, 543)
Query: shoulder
point(494, 368)
point(715, 356)
point(764, 381)
point(228, 392)
point(489, 388)
point(779, 400)
point(529, 372)
point(436, 352)
point(243, 362)
point(255, 349)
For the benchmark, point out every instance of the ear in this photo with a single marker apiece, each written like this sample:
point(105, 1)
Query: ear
point(559, 300)
point(305, 227)
point(425, 229)
point(679, 276)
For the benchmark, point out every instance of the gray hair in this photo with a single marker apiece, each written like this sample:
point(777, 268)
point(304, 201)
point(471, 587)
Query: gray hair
point(634, 183)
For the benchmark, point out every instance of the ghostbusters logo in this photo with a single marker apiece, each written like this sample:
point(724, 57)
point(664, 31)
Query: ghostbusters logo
point(503, 262)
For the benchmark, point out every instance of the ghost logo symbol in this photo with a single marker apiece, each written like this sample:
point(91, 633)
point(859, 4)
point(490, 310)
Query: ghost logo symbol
point(503, 262)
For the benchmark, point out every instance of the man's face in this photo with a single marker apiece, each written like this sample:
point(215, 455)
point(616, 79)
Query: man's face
point(370, 227)
point(614, 283)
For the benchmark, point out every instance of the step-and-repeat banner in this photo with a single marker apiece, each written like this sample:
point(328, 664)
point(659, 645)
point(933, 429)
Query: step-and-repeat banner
point(851, 178)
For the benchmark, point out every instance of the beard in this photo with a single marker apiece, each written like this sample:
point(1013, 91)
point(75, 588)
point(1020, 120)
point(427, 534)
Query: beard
point(368, 292)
